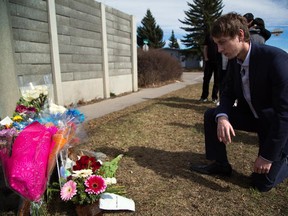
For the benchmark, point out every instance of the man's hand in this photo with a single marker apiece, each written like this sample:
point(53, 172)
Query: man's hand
point(224, 130)
point(262, 166)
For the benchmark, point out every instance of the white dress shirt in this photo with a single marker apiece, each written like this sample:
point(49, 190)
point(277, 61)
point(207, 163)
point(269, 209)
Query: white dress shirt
point(245, 81)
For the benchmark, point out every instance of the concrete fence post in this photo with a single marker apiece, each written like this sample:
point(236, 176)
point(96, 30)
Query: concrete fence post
point(55, 59)
point(134, 55)
point(106, 84)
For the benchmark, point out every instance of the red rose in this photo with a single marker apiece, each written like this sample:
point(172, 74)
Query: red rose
point(96, 165)
point(84, 160)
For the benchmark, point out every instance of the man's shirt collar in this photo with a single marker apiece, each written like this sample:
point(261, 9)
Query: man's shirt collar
point(247, 59)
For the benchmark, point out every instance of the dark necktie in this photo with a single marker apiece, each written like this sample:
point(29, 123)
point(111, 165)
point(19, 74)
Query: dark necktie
point(246, 90)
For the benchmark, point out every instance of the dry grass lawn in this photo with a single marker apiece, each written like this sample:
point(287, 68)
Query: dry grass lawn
point(160, 138)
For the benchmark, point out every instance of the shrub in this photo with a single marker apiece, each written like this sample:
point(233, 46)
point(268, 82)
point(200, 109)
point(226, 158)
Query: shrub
point(156, 66)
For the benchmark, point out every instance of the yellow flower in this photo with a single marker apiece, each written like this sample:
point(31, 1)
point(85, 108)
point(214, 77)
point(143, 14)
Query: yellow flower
point(17, 118)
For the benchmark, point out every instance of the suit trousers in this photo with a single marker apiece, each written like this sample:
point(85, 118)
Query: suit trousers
point(216, 150)
point(210, 68)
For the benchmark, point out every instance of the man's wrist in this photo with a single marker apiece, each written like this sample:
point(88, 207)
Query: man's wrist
point(265, 159)
point(221, 115)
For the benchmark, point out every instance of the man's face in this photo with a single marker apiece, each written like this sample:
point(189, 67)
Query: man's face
point(228, 46)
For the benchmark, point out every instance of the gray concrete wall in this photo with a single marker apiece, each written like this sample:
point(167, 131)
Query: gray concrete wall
point(80, 46)
point(88, 49)
point(119, 39)
point(8, 85)
point(30, 29)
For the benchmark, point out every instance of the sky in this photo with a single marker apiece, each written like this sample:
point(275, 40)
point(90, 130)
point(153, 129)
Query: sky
point(167, 14)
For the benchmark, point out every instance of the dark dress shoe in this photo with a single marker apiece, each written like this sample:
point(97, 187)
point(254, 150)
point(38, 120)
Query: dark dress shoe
point(215, 168)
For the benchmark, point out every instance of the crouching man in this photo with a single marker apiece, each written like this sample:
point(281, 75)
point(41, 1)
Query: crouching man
point(258, 79)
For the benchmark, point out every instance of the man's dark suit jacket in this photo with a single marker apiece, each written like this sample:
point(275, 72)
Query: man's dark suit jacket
point(268, 75)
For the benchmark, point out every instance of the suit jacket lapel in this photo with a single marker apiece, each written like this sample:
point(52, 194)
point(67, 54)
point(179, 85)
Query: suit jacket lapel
point(252, 71)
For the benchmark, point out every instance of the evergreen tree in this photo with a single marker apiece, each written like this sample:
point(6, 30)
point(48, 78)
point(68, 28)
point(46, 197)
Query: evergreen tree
point(173, 41)
point(150, 31)
point(198, 20)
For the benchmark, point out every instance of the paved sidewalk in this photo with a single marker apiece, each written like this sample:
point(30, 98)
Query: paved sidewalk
point(107, 106)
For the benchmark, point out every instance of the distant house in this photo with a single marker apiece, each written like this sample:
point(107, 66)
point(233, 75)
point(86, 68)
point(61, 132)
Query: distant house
point(185, 57)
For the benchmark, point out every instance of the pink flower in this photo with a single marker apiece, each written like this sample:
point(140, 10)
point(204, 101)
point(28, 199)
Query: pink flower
point(23, 109)
point(95, 185)
point(68, 190)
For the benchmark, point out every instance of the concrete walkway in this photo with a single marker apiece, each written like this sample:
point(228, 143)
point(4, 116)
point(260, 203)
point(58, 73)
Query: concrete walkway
point(107, 106)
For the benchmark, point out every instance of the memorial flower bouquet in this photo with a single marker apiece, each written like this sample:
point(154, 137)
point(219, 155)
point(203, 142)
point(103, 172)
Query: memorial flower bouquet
point(88, 179)
point(32, 138)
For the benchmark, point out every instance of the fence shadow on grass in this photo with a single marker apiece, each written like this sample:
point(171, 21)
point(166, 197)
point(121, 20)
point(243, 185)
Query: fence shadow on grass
point(170, 164)
point(241, 136)
point(184, 103)
point(200, 107)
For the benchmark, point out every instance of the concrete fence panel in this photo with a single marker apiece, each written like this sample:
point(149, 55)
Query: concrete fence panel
point(88, 49)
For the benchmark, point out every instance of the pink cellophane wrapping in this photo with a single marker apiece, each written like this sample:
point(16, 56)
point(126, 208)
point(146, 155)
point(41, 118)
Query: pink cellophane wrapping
point(26, 169)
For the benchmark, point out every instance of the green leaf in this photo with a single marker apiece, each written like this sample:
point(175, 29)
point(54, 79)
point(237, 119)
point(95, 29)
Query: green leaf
point(109, 168)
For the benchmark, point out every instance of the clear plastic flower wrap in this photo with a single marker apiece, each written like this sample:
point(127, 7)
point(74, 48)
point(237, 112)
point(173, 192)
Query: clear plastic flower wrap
point(70, 133)
point(35, 96)
point(32, 88)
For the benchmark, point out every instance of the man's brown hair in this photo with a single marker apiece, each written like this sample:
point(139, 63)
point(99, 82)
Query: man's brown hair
point(229, 25)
